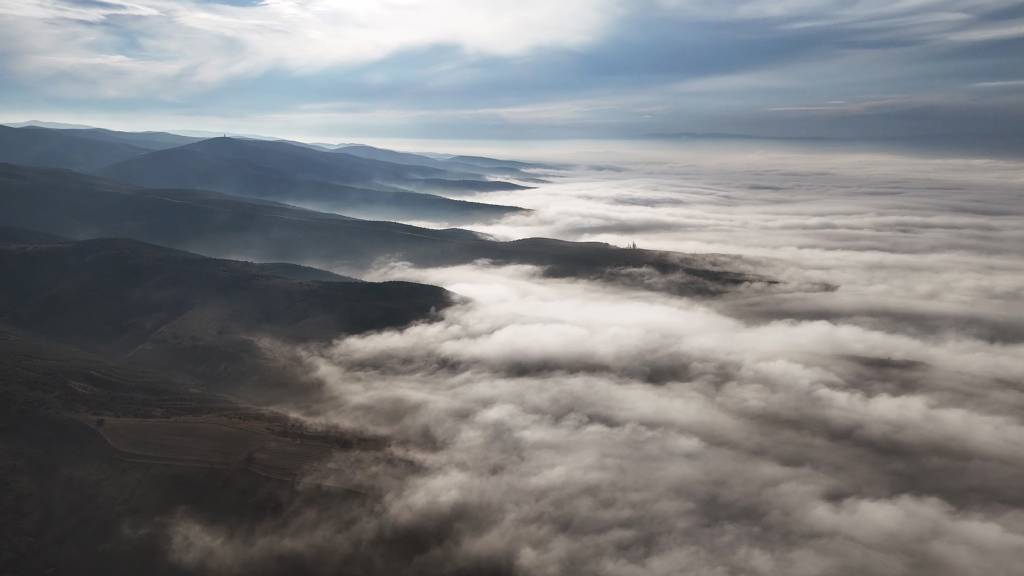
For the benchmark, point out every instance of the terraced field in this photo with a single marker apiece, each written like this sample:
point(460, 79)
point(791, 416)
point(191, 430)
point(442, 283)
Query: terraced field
point(213, 441)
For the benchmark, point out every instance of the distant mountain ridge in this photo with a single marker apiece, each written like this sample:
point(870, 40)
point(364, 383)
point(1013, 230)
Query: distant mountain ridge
point(42, 147)
point(45, 124)
point(78, 206)
point(300, 174)
point(470, 165)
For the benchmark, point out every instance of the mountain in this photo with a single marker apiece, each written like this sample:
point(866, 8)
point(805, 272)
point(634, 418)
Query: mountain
point(303, 273)
point(308, 163)
point(83, 149)
point(147, 140)
point(190, 315)
point(45, 124)
point(79, 206)
point(131, 380)
point(373, 153)
point(97, 455)
point(282, 157)
point(304, 177)
point(455, 187)
point(9, 235)
point(467, 165)
point(484, 162)
point(32, 146)
point(289, 172)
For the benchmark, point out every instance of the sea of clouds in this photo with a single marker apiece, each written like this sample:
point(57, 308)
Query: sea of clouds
point(560, 427)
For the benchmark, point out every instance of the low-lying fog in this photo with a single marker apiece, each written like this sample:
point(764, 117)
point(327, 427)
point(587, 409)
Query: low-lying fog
point(567, 427)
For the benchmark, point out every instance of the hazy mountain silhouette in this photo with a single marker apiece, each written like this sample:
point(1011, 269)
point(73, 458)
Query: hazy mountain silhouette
point(79, 206)
point(298, 161)
point(45, 124)
point(303, 176)
point(485, 162)
point(148, 140)
point(32, 146)
point(454, 187)
point(467, 165)
point(383, 154)
point(79, 148)
point(299, 174)
point(224, 167)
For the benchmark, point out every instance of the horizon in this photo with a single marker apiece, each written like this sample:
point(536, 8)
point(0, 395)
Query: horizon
point(604, 69)
point(937, 146)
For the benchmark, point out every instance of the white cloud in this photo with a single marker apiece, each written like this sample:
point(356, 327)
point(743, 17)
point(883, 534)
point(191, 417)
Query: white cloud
point(160, 46)
point(997, 84)
point(1004, 31)
point(613, 432)
point(543, 431)
point(563, 427)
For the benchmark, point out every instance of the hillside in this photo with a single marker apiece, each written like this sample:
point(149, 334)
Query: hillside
point(223, 168)
point(95, 454)
point(293, 160)
point(196, 317)
point(42, 147)
point(78, 206)
point(306, 177)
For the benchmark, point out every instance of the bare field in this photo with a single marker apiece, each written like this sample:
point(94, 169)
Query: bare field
point(213, 441)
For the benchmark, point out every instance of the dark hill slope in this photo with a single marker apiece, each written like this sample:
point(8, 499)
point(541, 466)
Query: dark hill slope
point(187, 314)
point(12, 235)
point(98, 457)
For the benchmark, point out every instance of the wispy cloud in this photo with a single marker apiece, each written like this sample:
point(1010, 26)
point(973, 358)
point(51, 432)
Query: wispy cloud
point(601, 67)
point(997, 84)
point(149, 44)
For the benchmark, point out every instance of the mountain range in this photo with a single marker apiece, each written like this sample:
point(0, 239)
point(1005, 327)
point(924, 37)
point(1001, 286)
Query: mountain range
point(157, 294)
point(134, 381)
point(79, 206)
point(186, 314)
point(306, 177)
point(295, 173)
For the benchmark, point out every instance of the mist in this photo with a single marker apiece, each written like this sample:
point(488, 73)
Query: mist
point(557, 426)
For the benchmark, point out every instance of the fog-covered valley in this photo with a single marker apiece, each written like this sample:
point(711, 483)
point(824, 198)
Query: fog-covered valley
point(862, 416)
point(697, 358)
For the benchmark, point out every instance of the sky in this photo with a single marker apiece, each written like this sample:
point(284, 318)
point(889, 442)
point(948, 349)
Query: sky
point(503, 69)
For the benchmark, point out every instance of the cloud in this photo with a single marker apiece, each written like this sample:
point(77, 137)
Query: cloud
point(565, 427)
point(998, 84)
point(152, 45)
point(500, 68)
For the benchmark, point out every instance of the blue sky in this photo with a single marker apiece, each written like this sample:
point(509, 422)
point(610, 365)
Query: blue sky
point(329, 69)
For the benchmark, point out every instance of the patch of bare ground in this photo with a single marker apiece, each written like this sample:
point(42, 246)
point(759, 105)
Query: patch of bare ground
point(264, 447)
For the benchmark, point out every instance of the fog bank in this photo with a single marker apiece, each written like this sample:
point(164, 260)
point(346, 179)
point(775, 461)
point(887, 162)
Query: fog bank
point(565, 427)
